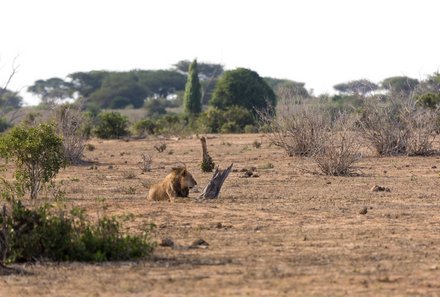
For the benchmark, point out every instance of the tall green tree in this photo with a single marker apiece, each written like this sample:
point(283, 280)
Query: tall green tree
point(192, 98)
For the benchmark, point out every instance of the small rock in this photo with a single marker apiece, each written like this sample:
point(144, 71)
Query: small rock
point(219, 225)
point(247, 174)
point(199, 243)
point(378, 188)
point(329, 183)
point(364, 210)
point(110, 166)
point(167, 242)
point(433, 167)
point(255, 175)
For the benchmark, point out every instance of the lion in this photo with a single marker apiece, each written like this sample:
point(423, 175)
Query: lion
point(176, 184)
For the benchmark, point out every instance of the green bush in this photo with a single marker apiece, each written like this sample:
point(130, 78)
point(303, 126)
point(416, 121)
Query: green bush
point(232, 120)
point(144, 127)
point(37, 152)
point(3, 125)
point(59, 236)
point(429, 100)
point(111, 125)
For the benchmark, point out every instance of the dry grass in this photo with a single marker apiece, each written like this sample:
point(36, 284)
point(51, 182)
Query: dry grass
point(284, 233)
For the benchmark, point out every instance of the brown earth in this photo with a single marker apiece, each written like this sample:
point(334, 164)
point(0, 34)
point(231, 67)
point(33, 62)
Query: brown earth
point(287, 232)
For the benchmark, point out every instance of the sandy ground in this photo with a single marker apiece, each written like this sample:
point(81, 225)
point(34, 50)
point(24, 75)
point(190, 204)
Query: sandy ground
point(287, 232)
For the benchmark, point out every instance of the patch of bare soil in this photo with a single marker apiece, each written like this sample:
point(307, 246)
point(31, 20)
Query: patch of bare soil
point(282, 231)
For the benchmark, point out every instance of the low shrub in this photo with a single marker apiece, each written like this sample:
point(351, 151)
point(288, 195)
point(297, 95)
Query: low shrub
point(111, 125)
point(44, 234)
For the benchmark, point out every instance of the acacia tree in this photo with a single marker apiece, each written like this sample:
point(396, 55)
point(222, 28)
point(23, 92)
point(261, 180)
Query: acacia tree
point(359, 87)
point(192, 98)
point(51, 90)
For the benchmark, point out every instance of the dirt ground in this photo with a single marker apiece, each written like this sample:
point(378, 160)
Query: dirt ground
point(285, 232)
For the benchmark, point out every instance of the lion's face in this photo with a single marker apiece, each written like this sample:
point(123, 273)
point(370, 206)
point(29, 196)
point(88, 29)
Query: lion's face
point(183, 181)
point(187, 180)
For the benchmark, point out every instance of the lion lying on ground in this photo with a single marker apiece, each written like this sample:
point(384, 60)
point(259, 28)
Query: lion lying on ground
point(176, 184)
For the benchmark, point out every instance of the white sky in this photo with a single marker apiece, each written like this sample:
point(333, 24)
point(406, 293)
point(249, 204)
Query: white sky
point(319, 42)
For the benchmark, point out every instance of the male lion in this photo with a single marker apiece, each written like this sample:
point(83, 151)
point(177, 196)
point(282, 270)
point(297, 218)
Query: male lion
point(175, 184)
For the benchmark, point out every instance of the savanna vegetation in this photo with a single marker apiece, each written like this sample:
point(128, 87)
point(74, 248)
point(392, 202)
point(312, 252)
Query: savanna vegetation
point(398, 116)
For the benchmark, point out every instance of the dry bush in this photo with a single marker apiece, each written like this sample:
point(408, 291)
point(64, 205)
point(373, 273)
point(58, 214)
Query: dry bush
point(338, 149)
point(146, 163)
point(70, 125)
point(295, 125)
point(398, 126)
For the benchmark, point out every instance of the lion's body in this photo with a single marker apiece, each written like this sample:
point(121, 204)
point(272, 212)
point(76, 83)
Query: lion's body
point(176, 184)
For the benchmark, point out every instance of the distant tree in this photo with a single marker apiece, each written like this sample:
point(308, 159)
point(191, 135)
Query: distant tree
point(205, 70)
point(156, 107)
point(242, 87)
point(85, 83)
point(208, 75)
point(280, 86)
point(400, 85)
point(356, 87)
point(51, 90)
point(122, 89)
point(429, 85)
point(10, 100)
point(192, 98)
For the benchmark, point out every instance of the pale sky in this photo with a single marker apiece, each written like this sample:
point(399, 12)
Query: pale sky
point(318, 42)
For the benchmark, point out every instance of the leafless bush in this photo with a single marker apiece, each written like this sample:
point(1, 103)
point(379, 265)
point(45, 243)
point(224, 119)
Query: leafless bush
point(423, 127)
point(70, 121)
point(146, 163)
point(398, 126)
point(295, 126)
point(338, 149)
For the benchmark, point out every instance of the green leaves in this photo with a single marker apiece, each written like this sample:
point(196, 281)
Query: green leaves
point(242, 87)
point(192, 98)
point(37, 153)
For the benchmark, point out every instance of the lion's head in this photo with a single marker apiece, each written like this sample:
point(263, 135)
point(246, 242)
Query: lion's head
point(183, 181)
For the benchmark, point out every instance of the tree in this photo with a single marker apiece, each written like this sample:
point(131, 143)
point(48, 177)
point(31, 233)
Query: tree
point(208, 75)
point(242, 87)
point(356, 87)
point(192, 98)
point(85, 83)
point(283, 87)
point(37, 153)
point(400, 85)
point(51, 90)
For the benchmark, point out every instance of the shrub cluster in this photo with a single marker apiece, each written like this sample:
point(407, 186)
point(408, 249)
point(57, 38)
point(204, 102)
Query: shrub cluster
point(40, 234)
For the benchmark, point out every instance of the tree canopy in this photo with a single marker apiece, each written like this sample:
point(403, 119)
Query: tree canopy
point(280, 86)
point(242, 87)
point(400, 84)
point(121, 89)
point(356, 87)
point(51, 90)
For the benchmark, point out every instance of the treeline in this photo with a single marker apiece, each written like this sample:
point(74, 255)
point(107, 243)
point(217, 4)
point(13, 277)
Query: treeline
point(228, 100)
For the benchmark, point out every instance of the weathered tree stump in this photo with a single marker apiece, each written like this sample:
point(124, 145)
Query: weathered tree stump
point(212, 189)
